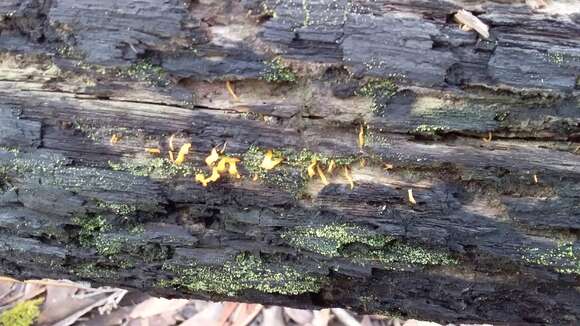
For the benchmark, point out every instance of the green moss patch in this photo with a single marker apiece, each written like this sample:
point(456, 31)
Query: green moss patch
point(245, 272)
point(93, 234)
point(565, 258)
point(380, 91)
point(94, 272)
point(277, 72)
point(22, 314)
point(363, 246)
point(328, 240)
point(430, 131)
point(398, 256)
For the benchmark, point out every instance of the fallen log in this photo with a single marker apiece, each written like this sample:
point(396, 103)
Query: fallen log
point(415, 168)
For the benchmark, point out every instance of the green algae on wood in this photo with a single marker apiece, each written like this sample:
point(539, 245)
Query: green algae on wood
point(277, 72)
point(396, 256)
point(245, 272)
point(328, 240)
point(380, 91)
point(364, 246)
point(23, 313)
point(565, 258)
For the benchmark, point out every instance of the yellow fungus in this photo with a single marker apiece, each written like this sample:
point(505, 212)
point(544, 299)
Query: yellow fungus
point(223, 150)
point(311, 171)
point(200, 177)
point(212, 158)
point(171, 147)
point(489, 138)
point(536, 178)
point(268, 163)
point(232, 167)
point(215, 175)
point(153, 151)
point(361, 137)
point(114, 139)
point(181, 155)
point(388, 167)
point(349, 178)
point(411, 198)
point(231, 91)
point(321, 174)
point(331, 166)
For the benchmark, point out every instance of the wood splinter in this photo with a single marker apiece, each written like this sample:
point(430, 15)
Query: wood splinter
point(470, 22)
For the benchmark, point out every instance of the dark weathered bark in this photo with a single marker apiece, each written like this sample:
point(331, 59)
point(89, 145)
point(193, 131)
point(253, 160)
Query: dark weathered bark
point(493, 235)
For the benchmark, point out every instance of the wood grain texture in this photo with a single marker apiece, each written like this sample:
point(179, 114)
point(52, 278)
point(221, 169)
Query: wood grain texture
point(492, 235)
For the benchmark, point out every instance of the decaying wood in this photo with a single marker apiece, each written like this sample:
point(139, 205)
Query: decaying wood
point(440, 224)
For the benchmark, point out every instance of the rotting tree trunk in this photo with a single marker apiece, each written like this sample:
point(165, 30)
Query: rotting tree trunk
point(492, 234)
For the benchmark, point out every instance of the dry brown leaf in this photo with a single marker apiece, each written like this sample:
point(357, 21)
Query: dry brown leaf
point(345, 317)
point(207, 317)
point(273, 317)
point(299, 315)
point(366, 321)
point(247, 316)
point(156, 306)
point(321, 318)
point(228, 310)
point(413, 322)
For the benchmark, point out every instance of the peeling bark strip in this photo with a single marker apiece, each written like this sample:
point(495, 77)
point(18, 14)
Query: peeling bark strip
point(411, 167)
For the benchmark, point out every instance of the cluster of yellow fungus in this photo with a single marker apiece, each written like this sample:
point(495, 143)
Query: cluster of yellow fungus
point(315, 169)
point(269, 162)
point(219, 164)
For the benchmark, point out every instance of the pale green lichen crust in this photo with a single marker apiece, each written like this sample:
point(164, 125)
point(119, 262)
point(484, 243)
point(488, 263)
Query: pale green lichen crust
point(565, 258)
point(328, 240)
point(364, 246)
point(245, 272)
point(380, 91)
point(277, 72)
